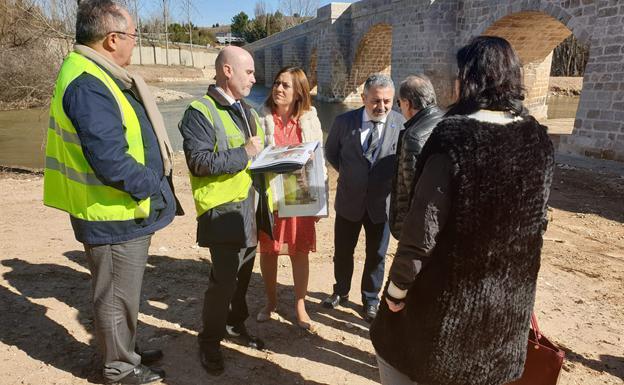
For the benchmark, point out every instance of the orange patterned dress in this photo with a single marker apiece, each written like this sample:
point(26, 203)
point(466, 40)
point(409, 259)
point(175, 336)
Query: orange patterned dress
point(295, 235)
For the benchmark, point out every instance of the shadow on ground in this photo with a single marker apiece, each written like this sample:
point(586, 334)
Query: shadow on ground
point(607, 363)
point(583, 191)
point(172, 292)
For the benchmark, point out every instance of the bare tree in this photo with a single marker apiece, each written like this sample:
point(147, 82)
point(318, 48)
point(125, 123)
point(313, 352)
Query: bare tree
point(299, 8)
point(59, 14)
point(261, 8)
point(32, 46)
point(137, 17)
point(166, 15)
point(188, 7)
point(569, 58)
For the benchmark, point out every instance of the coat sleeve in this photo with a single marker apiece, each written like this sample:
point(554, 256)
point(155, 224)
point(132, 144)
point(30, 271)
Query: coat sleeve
point(332, 145)
point(199, 140)
point(425, 219)
point(93, 111)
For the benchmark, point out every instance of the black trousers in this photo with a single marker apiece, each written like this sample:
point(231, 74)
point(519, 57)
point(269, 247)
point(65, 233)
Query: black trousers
point(225, 298)
point(346, 235)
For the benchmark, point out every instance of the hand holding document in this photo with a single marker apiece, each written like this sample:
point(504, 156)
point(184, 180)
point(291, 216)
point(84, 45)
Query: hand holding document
point(299, 188)
point(282, 159)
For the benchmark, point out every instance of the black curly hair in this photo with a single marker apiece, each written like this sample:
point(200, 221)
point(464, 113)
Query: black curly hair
point(490, 77)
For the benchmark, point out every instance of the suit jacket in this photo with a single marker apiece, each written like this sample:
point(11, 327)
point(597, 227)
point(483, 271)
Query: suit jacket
point(362, 187)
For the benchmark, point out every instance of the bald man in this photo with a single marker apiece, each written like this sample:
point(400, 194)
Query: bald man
point(221, 135)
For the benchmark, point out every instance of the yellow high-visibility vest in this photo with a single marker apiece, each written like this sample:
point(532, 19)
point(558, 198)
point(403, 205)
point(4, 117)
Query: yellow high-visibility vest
point(215, 190)
point(69, 182)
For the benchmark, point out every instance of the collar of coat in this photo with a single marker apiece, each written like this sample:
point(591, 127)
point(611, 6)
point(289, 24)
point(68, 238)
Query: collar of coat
point(421, 114)
point(222, 101)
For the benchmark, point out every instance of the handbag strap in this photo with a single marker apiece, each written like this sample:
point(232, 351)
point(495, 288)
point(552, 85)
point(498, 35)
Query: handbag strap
point(535, 326)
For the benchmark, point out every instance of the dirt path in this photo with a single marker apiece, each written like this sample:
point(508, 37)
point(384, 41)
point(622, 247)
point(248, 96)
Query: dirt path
point(46, 319)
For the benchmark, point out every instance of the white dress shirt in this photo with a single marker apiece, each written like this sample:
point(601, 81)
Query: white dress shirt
point(233, 102)
point(367, 124)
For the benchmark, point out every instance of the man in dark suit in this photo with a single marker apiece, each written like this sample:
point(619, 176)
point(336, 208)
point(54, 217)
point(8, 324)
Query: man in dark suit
point(361, 146)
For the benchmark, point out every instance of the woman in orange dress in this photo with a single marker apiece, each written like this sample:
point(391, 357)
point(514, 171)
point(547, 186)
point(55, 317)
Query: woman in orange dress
point(289, 118)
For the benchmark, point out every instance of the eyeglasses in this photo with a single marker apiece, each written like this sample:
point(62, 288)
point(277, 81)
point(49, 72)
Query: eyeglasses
point(134, 36)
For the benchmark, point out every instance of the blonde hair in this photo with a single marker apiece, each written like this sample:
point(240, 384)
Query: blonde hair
point(301, 87)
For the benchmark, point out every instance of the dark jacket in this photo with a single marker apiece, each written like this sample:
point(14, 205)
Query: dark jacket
point(411, 142)
point(362, 187)
point(467, 310)
point(95, 114)
point(234, 223)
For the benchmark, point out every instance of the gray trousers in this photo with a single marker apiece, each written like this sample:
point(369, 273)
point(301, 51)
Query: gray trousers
point(116, 278)
point(390, 376)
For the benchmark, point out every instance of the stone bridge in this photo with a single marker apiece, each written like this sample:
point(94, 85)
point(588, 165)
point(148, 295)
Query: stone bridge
point(346, 42)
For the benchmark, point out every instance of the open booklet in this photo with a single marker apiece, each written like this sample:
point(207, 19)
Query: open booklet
point(304, 192)
point(281, 159)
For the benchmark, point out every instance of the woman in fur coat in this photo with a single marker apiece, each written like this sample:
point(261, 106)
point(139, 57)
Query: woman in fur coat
point(461, 288)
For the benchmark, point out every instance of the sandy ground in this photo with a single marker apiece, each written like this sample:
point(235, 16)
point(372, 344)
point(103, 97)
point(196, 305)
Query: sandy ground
point(565, 85)
point(46, 321)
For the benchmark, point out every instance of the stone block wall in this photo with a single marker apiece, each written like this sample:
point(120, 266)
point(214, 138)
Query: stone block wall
point(426, 34)
point(423, 41)
point(259, 62)
point(536, 80)
point(275, 64)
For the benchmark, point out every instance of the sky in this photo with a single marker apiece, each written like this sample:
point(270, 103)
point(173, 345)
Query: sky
point(210, 12)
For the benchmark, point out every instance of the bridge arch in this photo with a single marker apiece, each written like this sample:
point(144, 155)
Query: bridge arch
point(534, 35)
point(373, 54)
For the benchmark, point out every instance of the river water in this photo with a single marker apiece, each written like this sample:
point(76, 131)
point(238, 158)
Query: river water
point(22, 132)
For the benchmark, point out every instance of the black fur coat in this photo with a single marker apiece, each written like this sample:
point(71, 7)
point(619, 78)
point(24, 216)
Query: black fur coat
point(466, 319)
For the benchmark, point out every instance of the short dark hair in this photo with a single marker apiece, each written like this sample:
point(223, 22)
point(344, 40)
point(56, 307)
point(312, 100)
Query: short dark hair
point(378, 80)
point(418, 90)
point(96, 18)
point(490, 77)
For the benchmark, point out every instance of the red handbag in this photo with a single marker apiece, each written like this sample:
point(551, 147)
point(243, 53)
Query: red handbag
point(543, 361)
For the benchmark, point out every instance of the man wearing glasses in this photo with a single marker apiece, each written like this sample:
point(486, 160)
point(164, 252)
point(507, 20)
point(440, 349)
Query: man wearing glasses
point(108, 164)
point(417, 101)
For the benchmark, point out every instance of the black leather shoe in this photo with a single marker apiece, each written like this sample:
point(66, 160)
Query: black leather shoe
point(334, 300)
point(142, 375)
point(212, 360)
point(239, 334)
point(150, 356)
point(370, 312)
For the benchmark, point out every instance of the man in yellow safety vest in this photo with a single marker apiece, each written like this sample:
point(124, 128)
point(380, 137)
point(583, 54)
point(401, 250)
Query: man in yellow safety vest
point(221, 135)
point(108, 164)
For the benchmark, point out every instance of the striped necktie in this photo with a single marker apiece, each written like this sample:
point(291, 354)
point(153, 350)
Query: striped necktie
point(372, 142)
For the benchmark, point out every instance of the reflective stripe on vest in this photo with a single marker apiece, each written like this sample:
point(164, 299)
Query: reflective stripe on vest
point(215, 190)
point(70, 183)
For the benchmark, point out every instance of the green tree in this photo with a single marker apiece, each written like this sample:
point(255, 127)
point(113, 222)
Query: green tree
point(256, 29)
point(239, 23)
point(201, 36)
